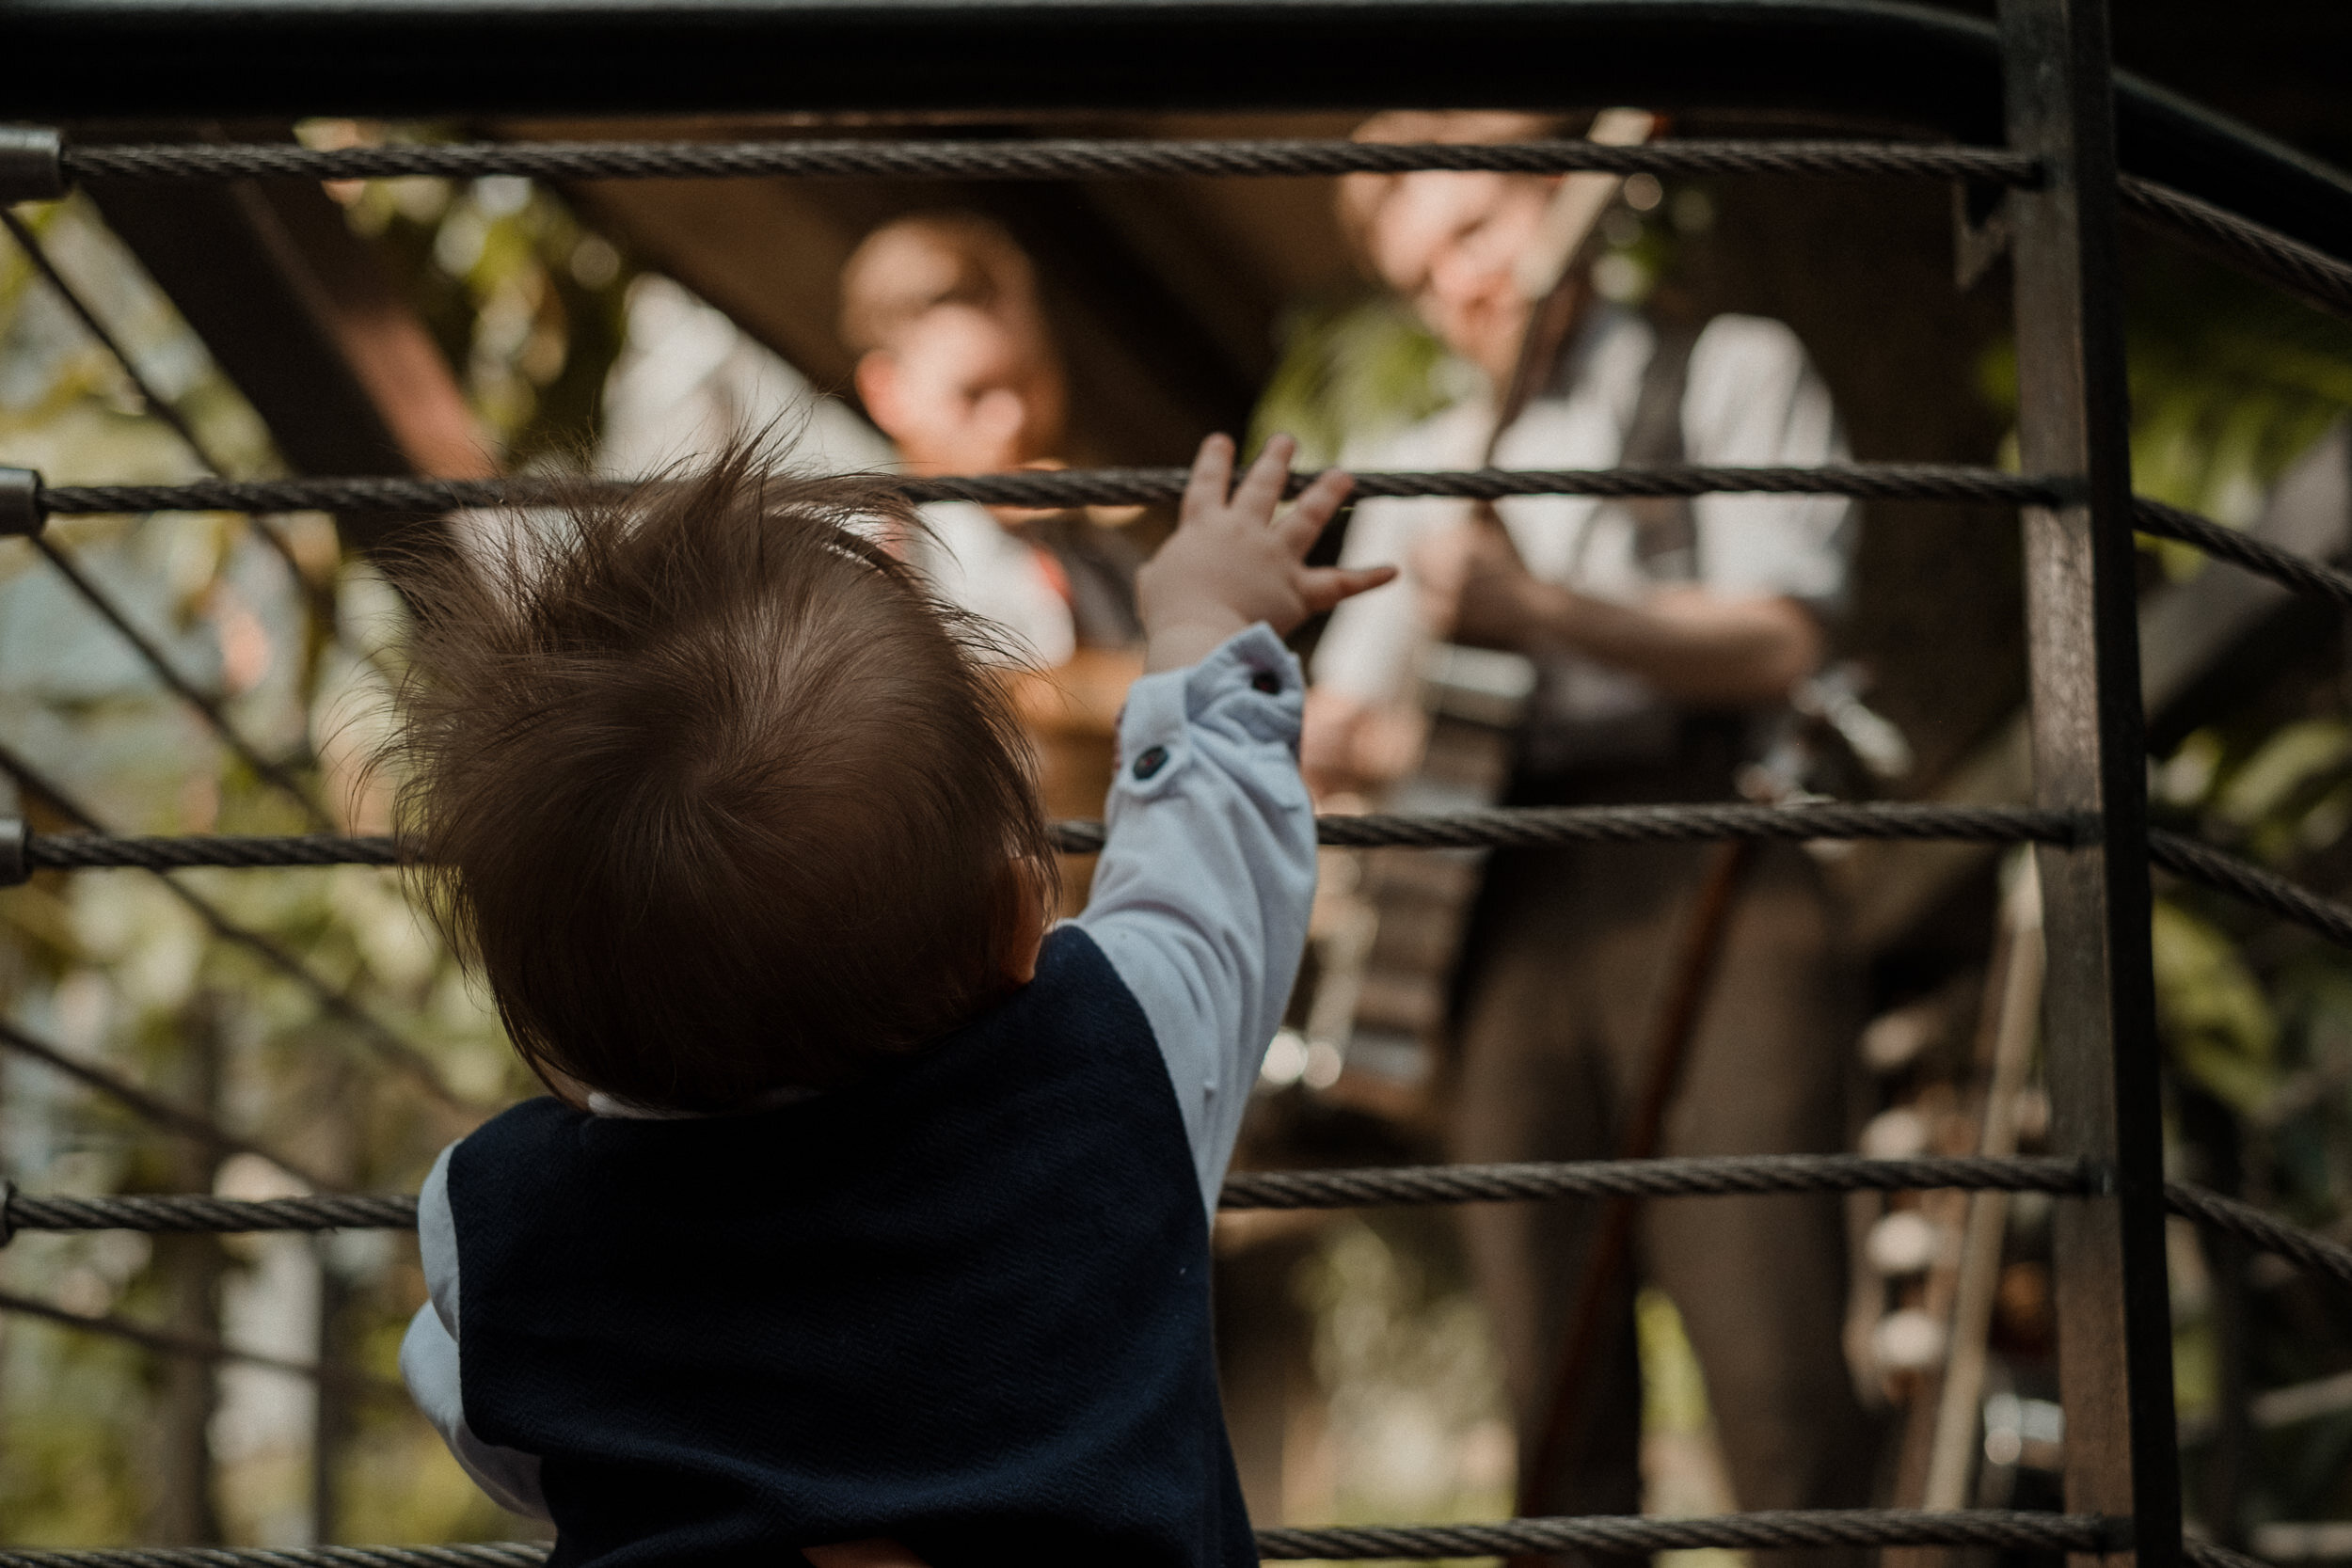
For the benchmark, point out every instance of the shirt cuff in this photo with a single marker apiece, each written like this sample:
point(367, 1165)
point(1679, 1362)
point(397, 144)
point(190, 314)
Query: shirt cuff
point(1250, 683)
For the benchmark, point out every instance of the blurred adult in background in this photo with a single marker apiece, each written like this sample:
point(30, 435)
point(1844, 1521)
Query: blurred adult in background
point(957, 366)
point(1661, 633)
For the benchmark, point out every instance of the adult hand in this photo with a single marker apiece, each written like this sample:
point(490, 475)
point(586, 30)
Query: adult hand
point(1347, 745)
point(1231, 562)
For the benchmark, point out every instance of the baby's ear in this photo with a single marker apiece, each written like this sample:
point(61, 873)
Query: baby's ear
point(1021, 921)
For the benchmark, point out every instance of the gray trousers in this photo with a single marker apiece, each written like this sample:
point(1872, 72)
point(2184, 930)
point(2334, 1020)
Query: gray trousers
point(1568, 967)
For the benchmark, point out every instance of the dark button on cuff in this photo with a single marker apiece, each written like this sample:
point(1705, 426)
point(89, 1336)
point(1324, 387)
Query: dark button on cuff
point(1266, 681)
point(1150, 762)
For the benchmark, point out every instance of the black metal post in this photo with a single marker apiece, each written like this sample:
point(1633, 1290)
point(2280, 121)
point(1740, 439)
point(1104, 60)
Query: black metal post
point(2114, 1349)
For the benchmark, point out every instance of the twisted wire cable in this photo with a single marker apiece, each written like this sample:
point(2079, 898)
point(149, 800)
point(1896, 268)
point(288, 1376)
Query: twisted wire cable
point(1059, 158)
point(1858, 1527)
point(1684, 1176)
point(379, 1038)
point(104, 851)
point(202, 1213)
point(484, 1554)
point(2300, 269)
point(2205, 1554)
point(1508, 827)
point(2264, 889)
point(2312, 579)
point(2265, 1232)
point(1931, 482)
point(206, 705)
point(1713, 1176)
point(1500, 827)
point(1065, 487)
point(1764, 1530)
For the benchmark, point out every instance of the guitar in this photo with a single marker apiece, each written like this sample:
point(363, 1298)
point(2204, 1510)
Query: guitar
point(1390, 924)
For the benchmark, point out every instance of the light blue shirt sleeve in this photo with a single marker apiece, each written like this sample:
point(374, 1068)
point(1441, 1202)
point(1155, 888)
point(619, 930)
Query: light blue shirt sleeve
point(428, 1361)
point(1201, 897)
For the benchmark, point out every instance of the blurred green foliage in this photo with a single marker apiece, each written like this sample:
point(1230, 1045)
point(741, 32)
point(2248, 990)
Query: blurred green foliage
point(114, 970)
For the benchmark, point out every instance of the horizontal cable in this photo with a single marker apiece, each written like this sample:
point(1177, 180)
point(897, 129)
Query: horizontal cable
point(2285, 567)
point(104, 851)
point(379, 1037)
point(1713, 1176)
point(1502, 826)
point(1945, 482)
point(2205, 1554)
point(1531, 827)
point(1697, 1177)
point(1045, 158)
point(2266, 890)
point(481, 1554)
point(200, 1212)
point(2300, 269)
point(1856, 1527)
point(2266, 1231)
point(1692, 1176)
point(1927, 482)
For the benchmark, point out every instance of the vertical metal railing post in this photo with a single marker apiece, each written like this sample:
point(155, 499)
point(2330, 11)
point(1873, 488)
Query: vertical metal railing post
point(2090, 755)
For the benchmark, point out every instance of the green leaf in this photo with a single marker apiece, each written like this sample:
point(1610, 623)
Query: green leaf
point(2217, 1022)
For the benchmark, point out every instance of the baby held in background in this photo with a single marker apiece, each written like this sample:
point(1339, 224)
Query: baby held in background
point(868, 1217)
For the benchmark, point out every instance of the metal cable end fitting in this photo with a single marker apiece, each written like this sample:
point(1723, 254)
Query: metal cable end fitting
point(32, 164)
point(16, 860)
point(22, 509)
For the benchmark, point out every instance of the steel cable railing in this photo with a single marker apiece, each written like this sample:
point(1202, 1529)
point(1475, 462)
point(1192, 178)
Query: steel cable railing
point(1520, 826)
point(46, 166)
point(1711, 1176)
point(1924, 482)
point(1759, 1531)
point(2309, 273)
point(1066, 487)
point(1059, 158)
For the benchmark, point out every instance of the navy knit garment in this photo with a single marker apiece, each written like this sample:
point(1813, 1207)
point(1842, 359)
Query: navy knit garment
point(964, 1303)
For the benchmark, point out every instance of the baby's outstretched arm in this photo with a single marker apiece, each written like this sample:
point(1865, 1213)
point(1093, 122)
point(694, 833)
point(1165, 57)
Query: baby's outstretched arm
point(1201, 895)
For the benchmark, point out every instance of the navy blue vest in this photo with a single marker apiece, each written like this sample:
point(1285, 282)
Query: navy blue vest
point(964, 1303)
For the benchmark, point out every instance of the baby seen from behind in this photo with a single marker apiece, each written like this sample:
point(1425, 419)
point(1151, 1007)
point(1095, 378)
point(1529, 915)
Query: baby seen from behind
point(867, 1217)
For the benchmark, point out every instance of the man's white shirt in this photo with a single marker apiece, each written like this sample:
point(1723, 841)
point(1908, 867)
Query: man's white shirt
point(1751, 397)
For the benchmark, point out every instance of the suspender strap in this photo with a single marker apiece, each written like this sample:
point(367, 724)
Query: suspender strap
point(1666, 537)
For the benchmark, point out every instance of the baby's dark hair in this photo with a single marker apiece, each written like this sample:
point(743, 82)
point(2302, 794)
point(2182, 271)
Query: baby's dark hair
point(711, 791)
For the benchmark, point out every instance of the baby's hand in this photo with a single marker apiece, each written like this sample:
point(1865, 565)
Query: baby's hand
point(1231, 564)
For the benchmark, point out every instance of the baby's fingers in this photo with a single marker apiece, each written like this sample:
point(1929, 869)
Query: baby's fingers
point(1260, 489)
point(1312, 512)
point(1212, 476)
point(1322, 587)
